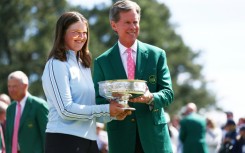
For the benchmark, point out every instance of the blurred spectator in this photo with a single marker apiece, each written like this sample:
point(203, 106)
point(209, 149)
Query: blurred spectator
point(230, 137)
point(213, 136)
point(175, 121)
point(5, 98)
point(193, 131)
point(3, 108)
point(229, 115)
point(26, 117)
point(239, 146)
point(173, 132)
point(240, 123)
point(102, 138)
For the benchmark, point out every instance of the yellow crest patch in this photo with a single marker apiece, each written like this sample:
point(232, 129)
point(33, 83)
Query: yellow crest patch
point(152, 79)
point(30, 125)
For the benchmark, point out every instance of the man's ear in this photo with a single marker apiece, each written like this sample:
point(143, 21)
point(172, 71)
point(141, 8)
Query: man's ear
point(25, 87)
point(113, 25)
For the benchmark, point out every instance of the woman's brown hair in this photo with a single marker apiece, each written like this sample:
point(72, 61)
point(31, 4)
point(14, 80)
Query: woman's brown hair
point(59, 50)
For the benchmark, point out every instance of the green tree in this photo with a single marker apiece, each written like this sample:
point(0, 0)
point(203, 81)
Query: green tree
point(26, 38)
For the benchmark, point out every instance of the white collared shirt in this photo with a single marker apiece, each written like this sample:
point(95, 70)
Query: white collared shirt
point(123, 54)
point(22, 103)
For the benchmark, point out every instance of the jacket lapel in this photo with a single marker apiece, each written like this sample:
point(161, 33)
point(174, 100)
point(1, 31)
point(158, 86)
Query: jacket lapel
point(142, 57)
point(25, 111)
point(11, 117)
point(116, 63)
point(117, 66)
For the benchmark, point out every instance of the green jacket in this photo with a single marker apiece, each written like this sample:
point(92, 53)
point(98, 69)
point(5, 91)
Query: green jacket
point(192, 134)
point(151, 66)
point(32, 126)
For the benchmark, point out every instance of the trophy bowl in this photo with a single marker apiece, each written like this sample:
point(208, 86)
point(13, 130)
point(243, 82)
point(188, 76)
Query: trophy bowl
point(122, 90)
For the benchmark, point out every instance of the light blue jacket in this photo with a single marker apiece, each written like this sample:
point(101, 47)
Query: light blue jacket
point(70, 94)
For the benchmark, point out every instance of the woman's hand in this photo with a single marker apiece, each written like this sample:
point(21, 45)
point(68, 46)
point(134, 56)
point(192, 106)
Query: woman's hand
point(116, 110)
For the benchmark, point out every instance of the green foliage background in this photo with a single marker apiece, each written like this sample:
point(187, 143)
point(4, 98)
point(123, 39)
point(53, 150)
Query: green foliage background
point(27, 32)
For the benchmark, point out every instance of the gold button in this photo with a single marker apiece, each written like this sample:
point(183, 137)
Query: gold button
point(155, 110)
point(132, 120)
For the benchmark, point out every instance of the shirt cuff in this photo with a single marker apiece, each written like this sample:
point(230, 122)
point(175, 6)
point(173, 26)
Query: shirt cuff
point(151, 101)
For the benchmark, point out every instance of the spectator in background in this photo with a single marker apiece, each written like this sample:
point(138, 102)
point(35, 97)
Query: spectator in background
point(3, 108)
point(239, 146)
point(175, 121)
point(173, 132)
point(230, 137)
point(26, 117)
point(5, 98)
point(193, 131)
point(213, 136)
point(240, 123)
point(102, 138)
point(229, 115)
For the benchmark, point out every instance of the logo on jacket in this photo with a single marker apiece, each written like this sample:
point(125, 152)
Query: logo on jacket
point(30, 125)
point(152, 79)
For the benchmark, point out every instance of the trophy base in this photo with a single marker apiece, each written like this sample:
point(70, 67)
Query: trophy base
point(129, 108)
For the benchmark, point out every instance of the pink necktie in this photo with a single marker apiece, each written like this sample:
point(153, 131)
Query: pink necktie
point(130, 64)
point(16, 129)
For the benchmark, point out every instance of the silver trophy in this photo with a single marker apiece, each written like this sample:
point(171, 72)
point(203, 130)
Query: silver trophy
point(122, 90)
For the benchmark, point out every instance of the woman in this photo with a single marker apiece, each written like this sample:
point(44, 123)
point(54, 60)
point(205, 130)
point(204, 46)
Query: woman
point(69, 90)
point(213, 136)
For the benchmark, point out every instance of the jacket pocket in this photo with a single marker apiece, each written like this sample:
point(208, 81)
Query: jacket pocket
point(158, 116)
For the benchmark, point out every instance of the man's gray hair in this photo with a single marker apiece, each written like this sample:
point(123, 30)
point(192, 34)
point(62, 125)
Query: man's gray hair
point(122, 6)
point(19, 75)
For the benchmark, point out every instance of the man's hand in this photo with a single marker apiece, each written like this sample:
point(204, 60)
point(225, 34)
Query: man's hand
point(144, 98)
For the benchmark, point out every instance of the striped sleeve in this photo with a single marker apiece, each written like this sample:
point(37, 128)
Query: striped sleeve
point(56, 86)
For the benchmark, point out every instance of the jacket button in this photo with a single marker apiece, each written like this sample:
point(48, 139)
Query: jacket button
point(132, 120)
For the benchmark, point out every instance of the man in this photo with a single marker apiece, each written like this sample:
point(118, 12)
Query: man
point(229, 118)
point(193, 131)
point(32, 111)
point(229, 115)
point(239, 146)
point(146, 129)
point(230, 137)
